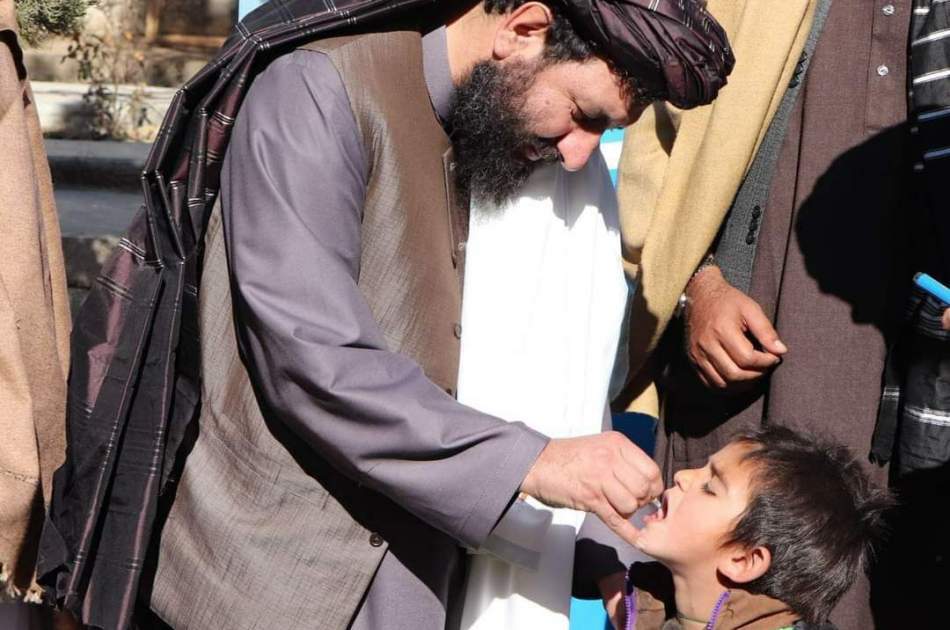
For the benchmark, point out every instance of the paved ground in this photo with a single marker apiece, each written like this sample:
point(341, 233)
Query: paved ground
point(97, 193)
point(95, 212)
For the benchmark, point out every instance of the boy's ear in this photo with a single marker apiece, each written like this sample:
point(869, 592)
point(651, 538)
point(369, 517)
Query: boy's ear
point(742, 566)
point(524, 30)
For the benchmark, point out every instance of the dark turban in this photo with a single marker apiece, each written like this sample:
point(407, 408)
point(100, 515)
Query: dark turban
point(673, 50)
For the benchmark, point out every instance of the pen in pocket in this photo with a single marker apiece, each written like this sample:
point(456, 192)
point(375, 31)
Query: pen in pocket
point(933, 287)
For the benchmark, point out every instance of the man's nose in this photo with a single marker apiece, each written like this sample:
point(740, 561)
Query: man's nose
point(577, 147)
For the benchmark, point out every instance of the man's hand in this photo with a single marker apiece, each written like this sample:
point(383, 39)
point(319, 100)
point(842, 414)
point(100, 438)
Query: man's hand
point(605, 474)
point(611, 591)
point(718, 319)
point(945, 320)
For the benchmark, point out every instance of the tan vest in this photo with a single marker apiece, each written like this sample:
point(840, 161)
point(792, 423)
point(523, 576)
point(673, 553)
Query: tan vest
point(249, 517)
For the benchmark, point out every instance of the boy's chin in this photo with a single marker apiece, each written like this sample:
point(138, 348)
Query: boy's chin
point(651, 541)
point(658, 542)
point(658, 550)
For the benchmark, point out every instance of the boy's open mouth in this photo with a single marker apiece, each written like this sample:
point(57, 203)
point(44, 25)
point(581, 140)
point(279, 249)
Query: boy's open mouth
point(660, 513)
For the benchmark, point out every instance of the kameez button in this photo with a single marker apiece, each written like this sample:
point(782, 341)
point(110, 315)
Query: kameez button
point(376, 540)
point(457, 330)
point(883, 71)
point(888, 9)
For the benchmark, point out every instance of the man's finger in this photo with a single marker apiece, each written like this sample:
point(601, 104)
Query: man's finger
point(762, 329)
point(708, 374)
point(634, 483)
point(624, 500)
point(945, 320)
point(744, 354)
point(641, 472)
point(618, 524)
point(727, 368)
point(704, 379)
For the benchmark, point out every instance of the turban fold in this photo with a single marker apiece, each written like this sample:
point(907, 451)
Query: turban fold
point(673, 50)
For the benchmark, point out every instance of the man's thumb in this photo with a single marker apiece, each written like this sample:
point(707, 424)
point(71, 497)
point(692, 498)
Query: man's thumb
point(762, 329)
point(622, 527)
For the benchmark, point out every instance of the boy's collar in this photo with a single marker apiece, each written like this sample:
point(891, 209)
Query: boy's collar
point(754, 612)
point(742, 611)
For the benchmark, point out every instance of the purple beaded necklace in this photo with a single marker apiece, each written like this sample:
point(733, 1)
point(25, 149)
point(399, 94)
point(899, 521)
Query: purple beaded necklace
point(631, 610)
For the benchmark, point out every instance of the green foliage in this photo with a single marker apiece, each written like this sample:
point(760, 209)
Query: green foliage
point(40, 18)
point(113, 64)
point(114, 67)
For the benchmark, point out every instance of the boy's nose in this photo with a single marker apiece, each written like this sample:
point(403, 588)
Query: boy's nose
point(683, 479)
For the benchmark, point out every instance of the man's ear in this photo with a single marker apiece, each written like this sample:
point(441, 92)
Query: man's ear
point(742, 566)
point(523, 31)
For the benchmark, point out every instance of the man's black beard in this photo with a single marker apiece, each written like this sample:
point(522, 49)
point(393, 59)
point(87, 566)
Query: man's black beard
point(489, 132)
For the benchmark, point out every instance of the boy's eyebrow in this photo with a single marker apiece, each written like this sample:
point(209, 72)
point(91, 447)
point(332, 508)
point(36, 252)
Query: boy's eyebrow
point(718, 474)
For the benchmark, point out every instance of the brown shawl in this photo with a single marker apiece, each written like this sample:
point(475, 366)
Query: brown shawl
point(34, 324)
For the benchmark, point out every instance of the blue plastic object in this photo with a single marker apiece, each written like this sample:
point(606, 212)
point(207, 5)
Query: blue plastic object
point(246, 6)
point(588, 614)
point(933, 287)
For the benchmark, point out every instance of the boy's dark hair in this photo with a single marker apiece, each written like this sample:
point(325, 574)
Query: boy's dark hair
point(815, 510)
point(564, 44)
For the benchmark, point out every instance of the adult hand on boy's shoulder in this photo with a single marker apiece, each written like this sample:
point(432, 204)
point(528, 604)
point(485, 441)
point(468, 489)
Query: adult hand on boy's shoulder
point(611, 591)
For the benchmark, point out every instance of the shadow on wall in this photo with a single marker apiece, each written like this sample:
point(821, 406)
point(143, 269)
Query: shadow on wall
point(854, 249)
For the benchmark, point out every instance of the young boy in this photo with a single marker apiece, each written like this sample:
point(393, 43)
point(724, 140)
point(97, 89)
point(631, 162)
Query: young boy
point(768, 535)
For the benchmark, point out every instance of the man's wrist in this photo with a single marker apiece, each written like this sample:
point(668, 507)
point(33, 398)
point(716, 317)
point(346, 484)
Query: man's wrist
point(707, 272)
point(709, 262)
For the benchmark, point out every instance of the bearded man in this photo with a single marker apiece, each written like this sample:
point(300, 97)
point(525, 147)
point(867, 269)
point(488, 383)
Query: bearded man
point(334, 478)
point(343, 491)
